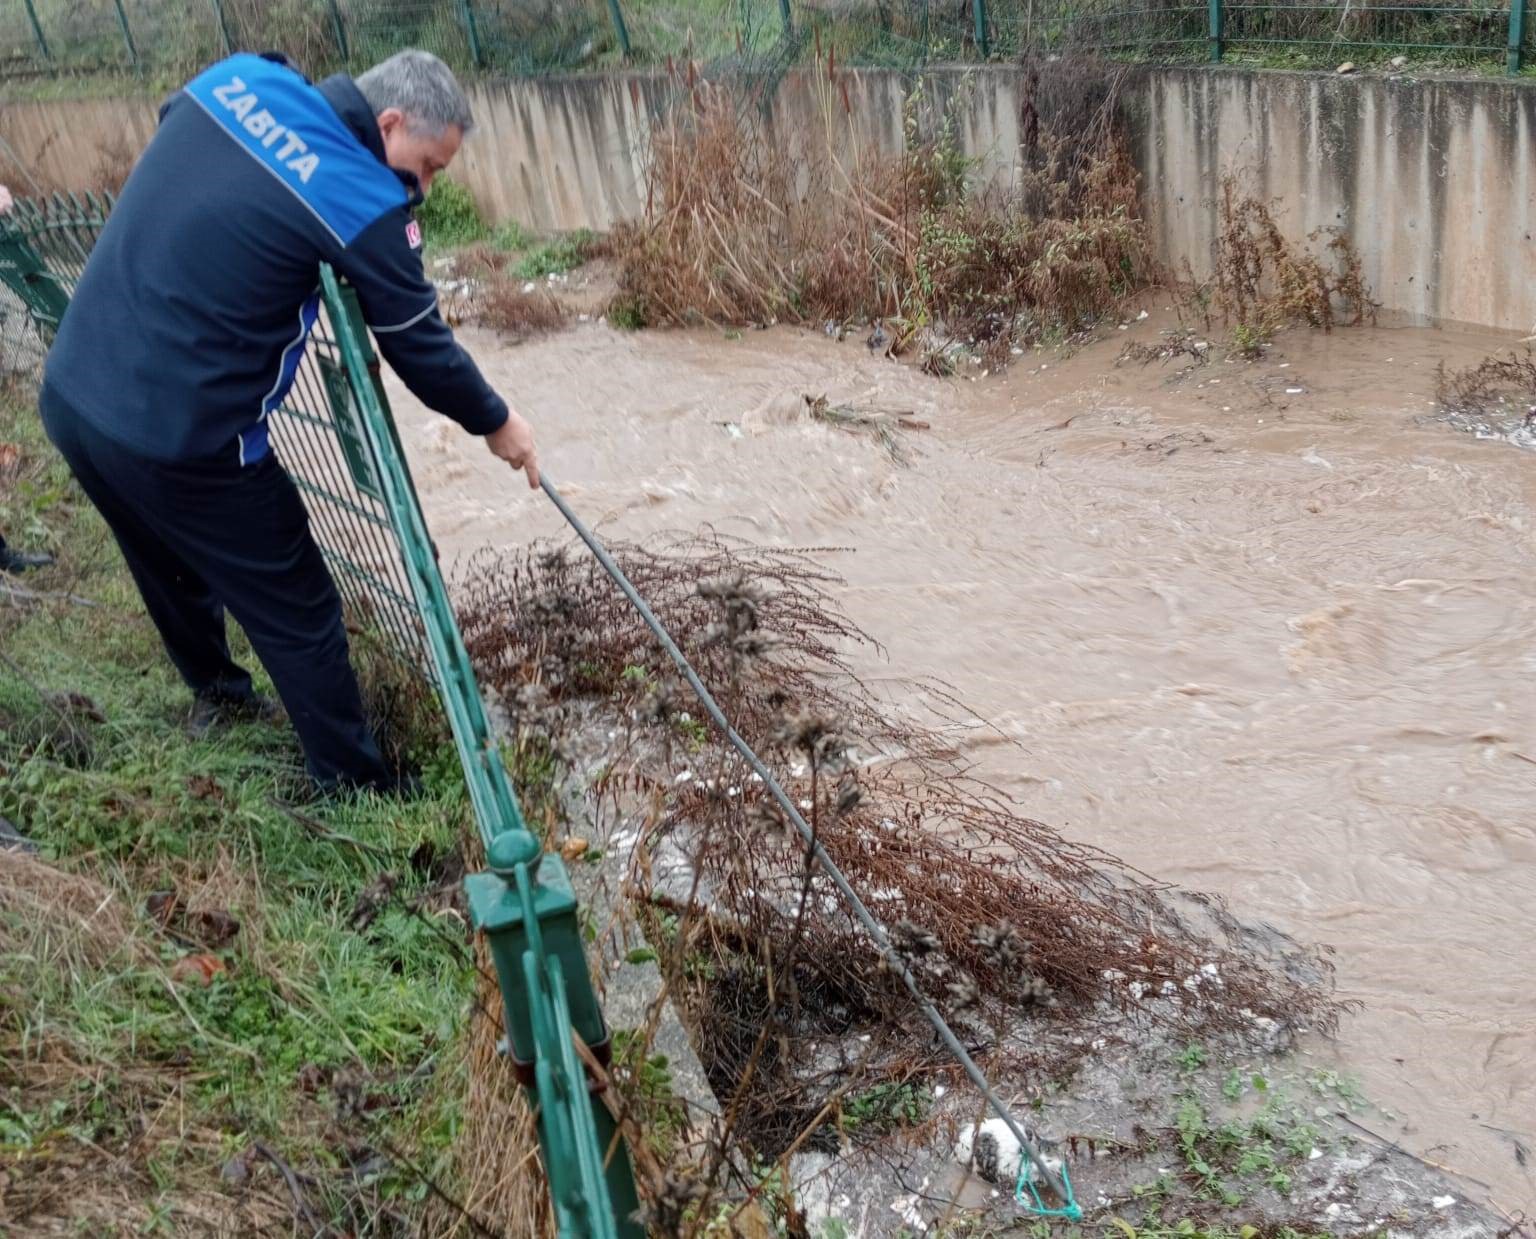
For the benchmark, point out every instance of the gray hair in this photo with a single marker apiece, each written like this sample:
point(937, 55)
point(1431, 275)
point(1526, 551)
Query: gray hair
point(422, 87)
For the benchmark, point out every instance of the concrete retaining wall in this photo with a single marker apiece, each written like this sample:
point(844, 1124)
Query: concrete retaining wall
point(1432, 179)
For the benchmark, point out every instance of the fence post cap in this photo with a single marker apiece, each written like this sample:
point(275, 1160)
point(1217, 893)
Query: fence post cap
point(510, 849)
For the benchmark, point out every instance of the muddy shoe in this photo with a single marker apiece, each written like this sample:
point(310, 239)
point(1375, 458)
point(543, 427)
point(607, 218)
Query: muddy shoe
point(16, 562)
point(211, 712)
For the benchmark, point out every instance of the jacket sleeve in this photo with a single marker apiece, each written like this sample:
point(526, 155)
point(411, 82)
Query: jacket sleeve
point(400, 306)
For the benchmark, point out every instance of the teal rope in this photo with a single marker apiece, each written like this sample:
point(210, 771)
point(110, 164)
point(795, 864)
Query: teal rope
point(1071, 1210)
point(829, 867)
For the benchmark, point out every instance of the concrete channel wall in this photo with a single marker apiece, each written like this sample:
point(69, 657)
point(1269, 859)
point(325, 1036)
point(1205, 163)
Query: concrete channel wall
point(1432, 179)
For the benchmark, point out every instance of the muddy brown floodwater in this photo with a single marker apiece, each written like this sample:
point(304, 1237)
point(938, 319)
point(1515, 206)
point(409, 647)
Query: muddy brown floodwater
point(1265, 630)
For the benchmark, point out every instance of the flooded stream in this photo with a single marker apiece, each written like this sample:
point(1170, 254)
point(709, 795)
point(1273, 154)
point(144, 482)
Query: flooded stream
point(1265, 630)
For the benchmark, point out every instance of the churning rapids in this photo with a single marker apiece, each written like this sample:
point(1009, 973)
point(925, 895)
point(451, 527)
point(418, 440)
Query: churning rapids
point(1267, 630)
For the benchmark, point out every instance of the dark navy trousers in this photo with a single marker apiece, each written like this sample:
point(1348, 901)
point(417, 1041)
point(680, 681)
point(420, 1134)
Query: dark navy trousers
point(202, 536)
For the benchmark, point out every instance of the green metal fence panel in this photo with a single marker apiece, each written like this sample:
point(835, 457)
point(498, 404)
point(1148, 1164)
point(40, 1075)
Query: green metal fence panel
point(83, 35)
point(528, 37)
point(336, 436)
point(44, 243)
point(21, 347)
point(523, 903)
point(174, 38)
point(522, 37)
point(379, 28)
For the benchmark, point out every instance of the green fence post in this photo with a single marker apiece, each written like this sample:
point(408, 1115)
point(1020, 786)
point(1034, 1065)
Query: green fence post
point(1516, 35)
point(619, 28)
point(527, 911)
point(122, 20)
point(979, 15)
point(1218, 24)
point(341, 32)
point(789, 18)
point(37, 32)
point(472, 29)
point(218, 11)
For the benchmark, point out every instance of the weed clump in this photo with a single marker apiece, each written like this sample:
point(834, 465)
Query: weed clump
point(449, 216)
point(559, 256)
point(1263, 284)
point(489, 291)
point(1494, 385)
point(739, 231)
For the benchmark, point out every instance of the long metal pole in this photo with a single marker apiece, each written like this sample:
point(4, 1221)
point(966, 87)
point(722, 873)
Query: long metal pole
point(827, 864)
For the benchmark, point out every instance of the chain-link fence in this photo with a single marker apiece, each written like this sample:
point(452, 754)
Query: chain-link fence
point(171, 38)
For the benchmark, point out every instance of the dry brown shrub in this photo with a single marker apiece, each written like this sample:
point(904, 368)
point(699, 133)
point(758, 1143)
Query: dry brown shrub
point(1263, 283)
point(504, 306)
point(761, 952)
point(1493, 385)
point(739, 230)
point(492, 296)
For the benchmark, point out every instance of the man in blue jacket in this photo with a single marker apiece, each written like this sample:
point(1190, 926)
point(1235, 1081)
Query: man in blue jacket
point(185, 332)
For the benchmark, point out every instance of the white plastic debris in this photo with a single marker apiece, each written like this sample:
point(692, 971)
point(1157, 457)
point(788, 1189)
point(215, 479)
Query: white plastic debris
point(683, 777)
point(1295, 391)
point(1142, 317)
point(1443, 1202)
point(1314, 1155)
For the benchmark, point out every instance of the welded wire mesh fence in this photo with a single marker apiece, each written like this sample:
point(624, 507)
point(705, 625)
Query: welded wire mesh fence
point(21, 348)
point(171, 38)
point(44, 244)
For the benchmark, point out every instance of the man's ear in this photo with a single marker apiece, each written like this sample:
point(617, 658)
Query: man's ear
point(389, 120)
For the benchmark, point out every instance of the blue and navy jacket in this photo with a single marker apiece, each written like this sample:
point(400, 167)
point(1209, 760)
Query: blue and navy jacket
point(190, 319)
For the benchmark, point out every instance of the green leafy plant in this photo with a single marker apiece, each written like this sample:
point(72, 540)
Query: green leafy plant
point(886, 1106)
point(556, 257)
point(627, 312)
point(449, 215)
